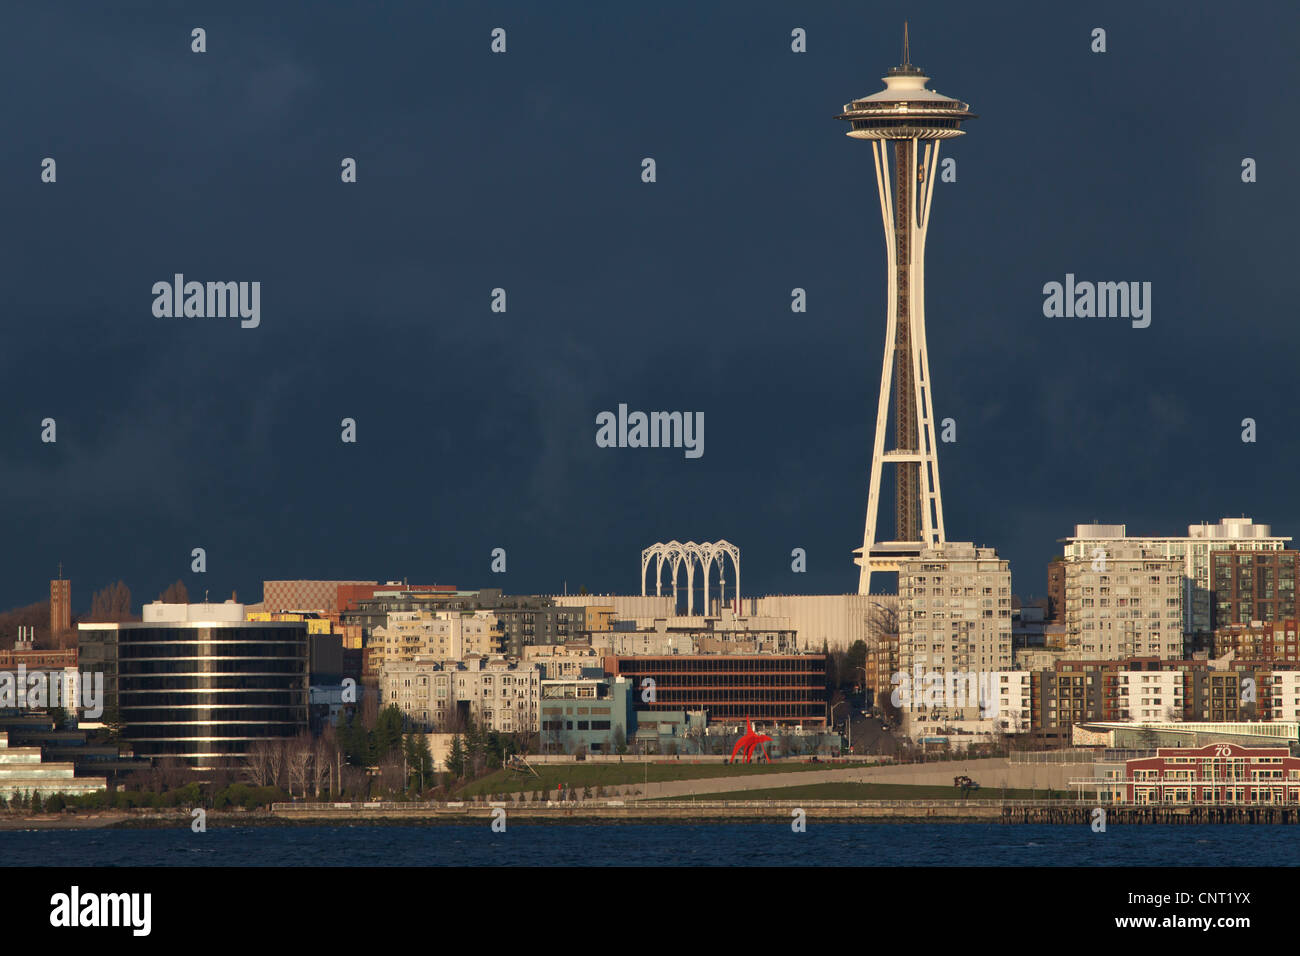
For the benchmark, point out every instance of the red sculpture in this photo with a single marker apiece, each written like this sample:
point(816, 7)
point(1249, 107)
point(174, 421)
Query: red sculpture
point(749, 742)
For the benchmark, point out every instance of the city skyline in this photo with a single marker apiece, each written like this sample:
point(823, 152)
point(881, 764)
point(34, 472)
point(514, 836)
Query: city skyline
point(375, 304)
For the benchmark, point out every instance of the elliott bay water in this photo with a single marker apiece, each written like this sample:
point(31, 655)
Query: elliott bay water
point(824, 844)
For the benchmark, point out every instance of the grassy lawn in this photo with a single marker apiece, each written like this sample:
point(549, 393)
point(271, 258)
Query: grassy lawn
point(622, 774)
point(870, 791)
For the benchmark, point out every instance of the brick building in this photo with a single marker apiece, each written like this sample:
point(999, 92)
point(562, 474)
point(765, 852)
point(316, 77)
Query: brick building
point(1253, 586)
point(1220, 773)
point(1258, 641)
point(60, 607)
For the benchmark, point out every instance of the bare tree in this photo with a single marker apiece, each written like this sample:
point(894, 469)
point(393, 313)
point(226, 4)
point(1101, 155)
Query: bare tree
point(223, 774)
point(175, 594)
point(298, 760)
point(322, 765)
point(279, 754)
point(330, 737)
point(172, 773)
point(112, 604)
point(370, 705)
point(264, 763)
point(354, 782)
point(392, 772)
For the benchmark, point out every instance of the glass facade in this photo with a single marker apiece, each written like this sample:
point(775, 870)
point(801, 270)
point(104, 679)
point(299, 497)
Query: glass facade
point(202, 692)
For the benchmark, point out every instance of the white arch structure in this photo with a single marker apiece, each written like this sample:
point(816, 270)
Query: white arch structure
point(675, 553)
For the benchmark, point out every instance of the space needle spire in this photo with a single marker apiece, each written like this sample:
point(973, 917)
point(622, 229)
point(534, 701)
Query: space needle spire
point(913, 119)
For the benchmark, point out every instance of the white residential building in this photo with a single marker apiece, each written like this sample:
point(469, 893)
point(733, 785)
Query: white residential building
point(1015, 693)
point(562, 661)
point(954, 610)
point(1280, 697)
point(498, 694)
point(1192, 552)
point(441, 635)
point(1128, 603)
point(1150, 695)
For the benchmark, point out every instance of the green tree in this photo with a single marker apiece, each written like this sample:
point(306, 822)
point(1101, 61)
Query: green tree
point(425, 754)
point(855, 658)
point(419, 761)
point(832, 666)
point(113, 725)
point(387, 735)
point(475, 746)
point(353, 740)
point(499, 748)
point(457, 758)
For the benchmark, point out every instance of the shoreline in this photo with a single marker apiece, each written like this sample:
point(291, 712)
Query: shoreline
point(644, 813)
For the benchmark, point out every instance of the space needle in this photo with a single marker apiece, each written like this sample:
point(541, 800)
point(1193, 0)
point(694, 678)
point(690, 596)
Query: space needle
point(914, 119)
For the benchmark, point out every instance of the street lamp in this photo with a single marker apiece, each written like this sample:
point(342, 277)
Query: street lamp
point(865, 699)
point(849, 722)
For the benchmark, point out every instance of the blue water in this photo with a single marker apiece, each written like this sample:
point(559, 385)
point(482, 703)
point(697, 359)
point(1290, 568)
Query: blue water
point(824, 844)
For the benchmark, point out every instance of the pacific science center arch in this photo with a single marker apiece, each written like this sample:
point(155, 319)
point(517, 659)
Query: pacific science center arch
point(677, 553)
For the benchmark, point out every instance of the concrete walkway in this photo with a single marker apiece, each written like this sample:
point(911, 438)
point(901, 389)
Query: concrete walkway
point(991, 773)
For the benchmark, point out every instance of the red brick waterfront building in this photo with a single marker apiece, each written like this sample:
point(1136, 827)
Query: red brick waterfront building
point(1213, 774)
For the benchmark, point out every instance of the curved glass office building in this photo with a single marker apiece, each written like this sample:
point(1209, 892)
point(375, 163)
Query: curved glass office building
point(199, 683)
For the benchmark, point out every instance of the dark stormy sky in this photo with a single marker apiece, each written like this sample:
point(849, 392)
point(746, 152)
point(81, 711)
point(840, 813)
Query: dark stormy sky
point(476, 430)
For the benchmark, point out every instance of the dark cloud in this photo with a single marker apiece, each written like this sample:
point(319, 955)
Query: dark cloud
point(522, 171)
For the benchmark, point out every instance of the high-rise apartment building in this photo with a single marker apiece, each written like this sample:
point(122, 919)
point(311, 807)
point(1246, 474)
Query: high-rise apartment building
point(1253, 586)
point(1193, 551)
point(954, 610)
point(1127, 603)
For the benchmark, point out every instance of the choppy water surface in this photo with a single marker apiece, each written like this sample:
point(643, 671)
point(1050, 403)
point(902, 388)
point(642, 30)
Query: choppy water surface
point(824, 844)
